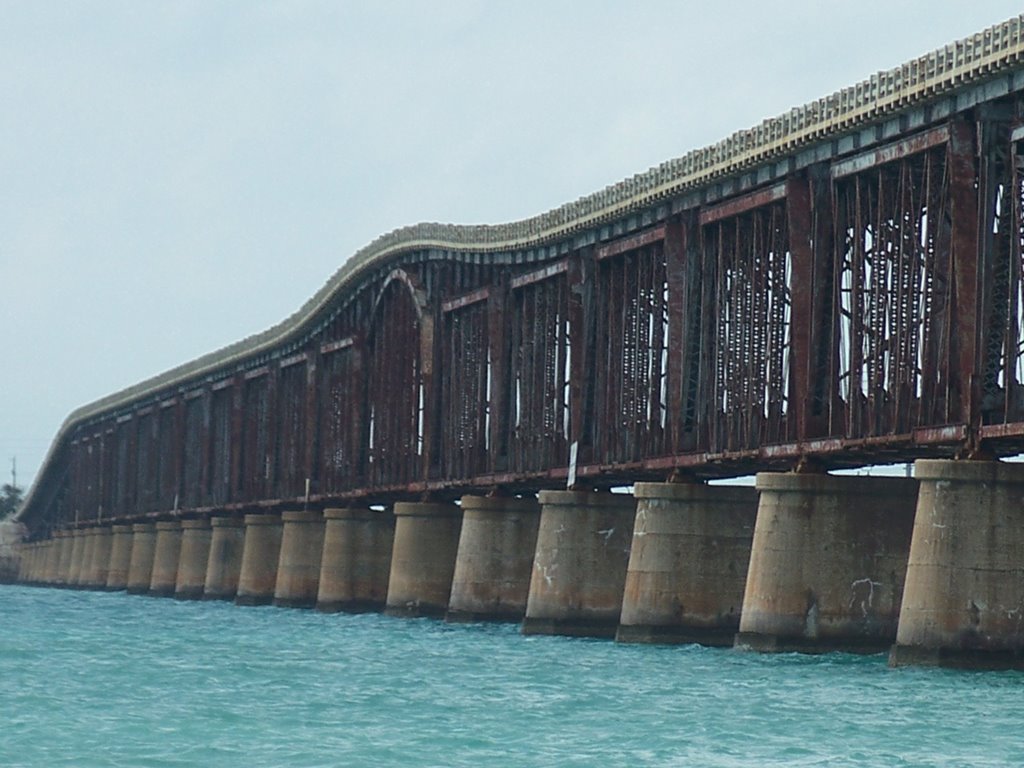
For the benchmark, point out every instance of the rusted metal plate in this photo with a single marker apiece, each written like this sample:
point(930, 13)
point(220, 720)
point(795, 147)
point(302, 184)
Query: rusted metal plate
point(255, 373)
point(631, 243)
point(334, 346)
point(895, 151)
point(473, 297)
point(541, 274)
point(742, 204)
point(952, 433)
point(995, 431)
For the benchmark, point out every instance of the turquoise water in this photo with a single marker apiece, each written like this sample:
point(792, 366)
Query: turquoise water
point(95, 679)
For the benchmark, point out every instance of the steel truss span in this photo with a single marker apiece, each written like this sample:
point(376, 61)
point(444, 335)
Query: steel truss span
point(839, 285)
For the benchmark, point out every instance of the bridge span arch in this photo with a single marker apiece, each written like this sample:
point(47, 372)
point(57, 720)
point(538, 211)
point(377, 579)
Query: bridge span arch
point(839, 284)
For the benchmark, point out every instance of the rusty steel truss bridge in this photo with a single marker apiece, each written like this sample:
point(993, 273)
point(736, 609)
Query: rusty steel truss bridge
point(840, 286)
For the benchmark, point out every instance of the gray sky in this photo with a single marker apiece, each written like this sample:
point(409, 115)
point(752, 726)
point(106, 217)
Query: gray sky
point(175, 176)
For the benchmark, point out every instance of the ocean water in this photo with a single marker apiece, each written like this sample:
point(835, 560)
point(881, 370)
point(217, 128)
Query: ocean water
point(98, 679)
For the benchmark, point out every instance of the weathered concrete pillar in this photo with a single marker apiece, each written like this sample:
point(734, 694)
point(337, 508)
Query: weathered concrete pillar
point(77, 555)
point(84, 580)
point(39, 566)
point(298, 568)
point(165, 559)
point(43, 561)
point(24, 551)
point(88, 551)
point(99, 560)
point(688, 563)
point(140, 568)
point(120, 557)
point(42, 557)
point(495, 559)
point(22, 556)
point(579, 569)
point(963, 605)
point(193, 560)
point(828, 562)
point(356, 561)
point(52, 560)
point(67, 545)
point(423, 559)
point(258, 576)
point(39, 562)
point(227, 541)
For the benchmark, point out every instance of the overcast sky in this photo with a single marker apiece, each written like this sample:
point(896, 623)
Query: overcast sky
point(175, 176)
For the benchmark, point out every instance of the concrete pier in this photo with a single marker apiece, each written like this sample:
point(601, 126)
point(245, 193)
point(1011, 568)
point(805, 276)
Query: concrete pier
point(258, 576)
point(579, 568)
point(88, 558)
point(21, 557)
point(84, 557)
point(356, 561)
point(963, 605)
point(491, 581)
point(67, 545)
point(165, 559)
point(120, 557)
point(688, 563)
point(828, 562)
point(99, 558)
point(224, 566)
point(193, 559)
point(140, 568)
point(85, 562)
point(77, 553)
point(298, 569)
point(423, 559)
point(52, 559)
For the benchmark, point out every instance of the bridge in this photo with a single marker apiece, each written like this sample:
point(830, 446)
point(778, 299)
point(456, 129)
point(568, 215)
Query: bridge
point(839, 286)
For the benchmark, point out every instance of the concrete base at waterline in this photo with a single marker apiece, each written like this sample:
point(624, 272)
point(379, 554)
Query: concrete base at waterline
point(828, 563)
point(298, 569)
point(495, 557)
point(258, 576)
point(688, 563)
point(166, 554)
point(98, 571)
point(964, 598)
point(120, 557)
point(67, 544)
point(78, 545)
point(224, 565)
point(423, 559)
point(579, 568)
point(356, 562)
point(193, 559)
point(49, 575)
point(140, 569)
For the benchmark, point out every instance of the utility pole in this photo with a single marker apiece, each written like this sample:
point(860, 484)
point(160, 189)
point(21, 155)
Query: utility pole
point(14, 471)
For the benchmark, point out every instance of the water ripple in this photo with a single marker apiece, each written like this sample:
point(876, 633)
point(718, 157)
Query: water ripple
point(108, 680)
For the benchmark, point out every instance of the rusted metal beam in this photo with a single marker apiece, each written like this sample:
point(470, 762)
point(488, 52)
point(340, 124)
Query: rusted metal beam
point(631, 243)
point(890, 152)
point(541, 274)
point(965, 267)
point(473, 297)
point(334, 346)
point(802, 289)
point(737, 205)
